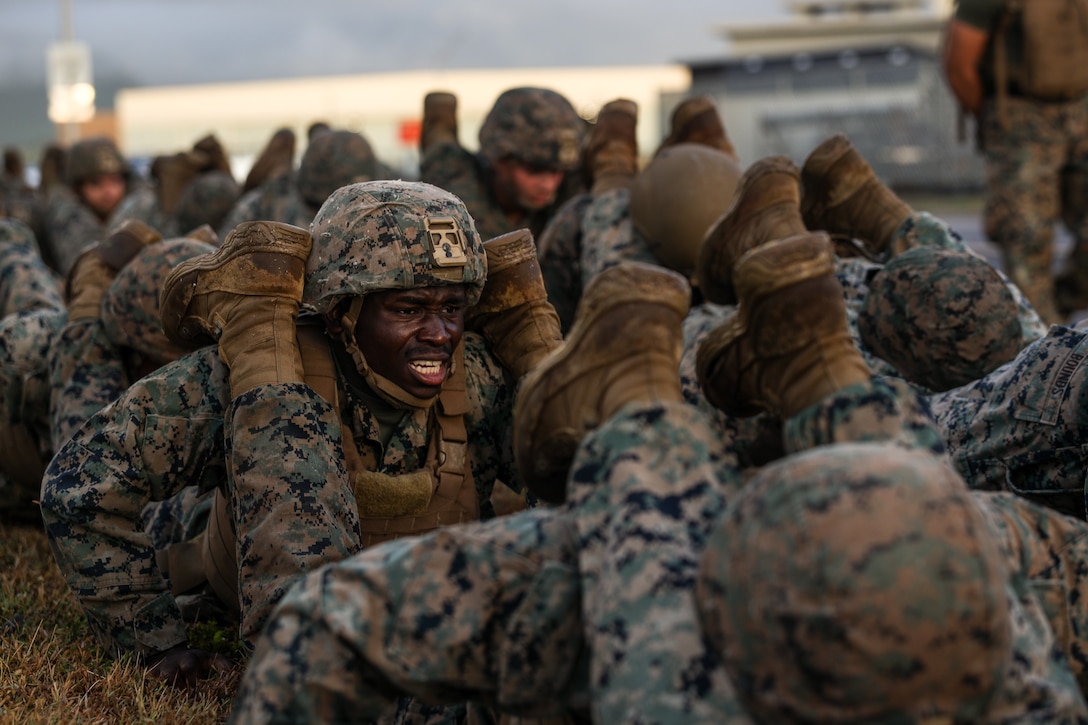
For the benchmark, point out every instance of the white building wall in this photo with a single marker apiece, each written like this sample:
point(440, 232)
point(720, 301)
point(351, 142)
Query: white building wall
point(382, 107)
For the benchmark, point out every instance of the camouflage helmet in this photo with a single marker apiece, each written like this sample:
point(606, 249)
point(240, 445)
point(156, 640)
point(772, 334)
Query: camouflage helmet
point(207, 199)
point(385, 235)
point(536, 126)
point(334, 159)
point(678, 196)
point(130, 307)
point(94, 156)
point(942, 317)
point(857, 583)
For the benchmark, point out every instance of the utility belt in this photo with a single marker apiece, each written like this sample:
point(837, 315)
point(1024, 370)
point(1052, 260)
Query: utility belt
point(439, 494)
point(1015, 91)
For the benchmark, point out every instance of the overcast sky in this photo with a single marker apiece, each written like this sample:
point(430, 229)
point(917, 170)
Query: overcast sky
point(165, 42)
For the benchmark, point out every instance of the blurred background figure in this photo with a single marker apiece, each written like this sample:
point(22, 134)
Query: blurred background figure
point(16, 195)
point(530, 143)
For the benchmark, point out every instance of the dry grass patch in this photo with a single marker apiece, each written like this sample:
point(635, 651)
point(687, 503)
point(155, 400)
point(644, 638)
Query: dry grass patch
point(51, 669)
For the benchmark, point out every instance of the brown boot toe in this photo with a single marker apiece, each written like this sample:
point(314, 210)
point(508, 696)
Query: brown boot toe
point(257, 259)
point(696, 120)
point(624, 346)
point(843, 196)
point(765, 208)
point(788, 343)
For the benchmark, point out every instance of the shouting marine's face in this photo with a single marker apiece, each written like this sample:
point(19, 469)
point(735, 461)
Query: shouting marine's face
point(408, 336)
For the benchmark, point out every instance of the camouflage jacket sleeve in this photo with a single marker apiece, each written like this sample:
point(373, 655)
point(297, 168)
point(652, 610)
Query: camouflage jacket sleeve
point(85, 375)
point(490, 421)
point(164, 433)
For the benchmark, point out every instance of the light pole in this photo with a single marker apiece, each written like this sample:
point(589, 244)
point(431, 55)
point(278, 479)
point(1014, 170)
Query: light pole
point(69, 80)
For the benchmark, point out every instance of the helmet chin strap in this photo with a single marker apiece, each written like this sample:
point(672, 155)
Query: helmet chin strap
point(386, 389)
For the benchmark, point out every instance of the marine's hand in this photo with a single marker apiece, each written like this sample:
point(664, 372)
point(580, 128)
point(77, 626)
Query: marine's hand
point(184, 667)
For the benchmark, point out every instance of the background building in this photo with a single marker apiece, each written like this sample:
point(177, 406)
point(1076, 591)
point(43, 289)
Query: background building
point(870, 69)
point(867, 68)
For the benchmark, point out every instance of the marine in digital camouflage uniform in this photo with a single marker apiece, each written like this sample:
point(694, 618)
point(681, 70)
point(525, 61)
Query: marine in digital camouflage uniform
point(206, 201)
point(526, 166)
point(398, 423)
point(117, 337)
point(953, 311)
point(331, 160)
point(1004, 396)
point(31, 314)
point(592, 605)
point(901, 596)
point(113, 336)
point(1036, 155)
point(927, 310)
point(76, 214)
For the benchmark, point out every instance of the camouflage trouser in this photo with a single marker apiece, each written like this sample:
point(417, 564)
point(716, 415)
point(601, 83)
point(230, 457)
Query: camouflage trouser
point(755, 440)
point(609, 236)
point(1024, 427)
point(1050, 552)
point(531, 611)
point(1037, 159)
point(589, 234)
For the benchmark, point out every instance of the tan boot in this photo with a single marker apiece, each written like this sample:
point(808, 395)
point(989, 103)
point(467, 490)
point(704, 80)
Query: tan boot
point(842, 195)
point(276, 159)
point(439, 120)
point(611, 153)
point(126, 241)
point(174, 174)
point(514, 313)
point(624, 346)
point(766, 207)
point(209, 155)
point(96, 268)
point(788, 345)
point(696, 120)
point(246, 295)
